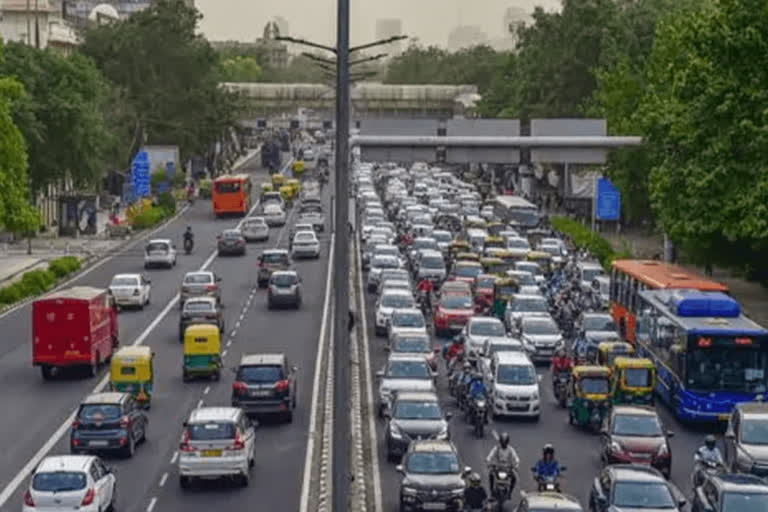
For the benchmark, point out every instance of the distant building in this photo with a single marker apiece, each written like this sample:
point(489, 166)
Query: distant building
point(390, 27)
point(41, 26)
point(275, 53)
point(513, 17)
point(282, 25)
point(465, 36)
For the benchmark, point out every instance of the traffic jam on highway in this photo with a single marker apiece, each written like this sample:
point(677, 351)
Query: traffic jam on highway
point(514, 373)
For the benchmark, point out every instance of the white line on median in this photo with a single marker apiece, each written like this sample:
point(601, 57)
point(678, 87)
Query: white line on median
point(152, 504)
point(304, 503)
point(174, 457)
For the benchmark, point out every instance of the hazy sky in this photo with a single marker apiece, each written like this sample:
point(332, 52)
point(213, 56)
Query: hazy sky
point(428, 20)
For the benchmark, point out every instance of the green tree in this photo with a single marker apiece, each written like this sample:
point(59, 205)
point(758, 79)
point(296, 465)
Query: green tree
point(168, 75)
point(240, 69)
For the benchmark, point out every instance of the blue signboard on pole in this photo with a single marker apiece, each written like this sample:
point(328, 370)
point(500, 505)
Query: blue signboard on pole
point(140, 175)
point(607, 200)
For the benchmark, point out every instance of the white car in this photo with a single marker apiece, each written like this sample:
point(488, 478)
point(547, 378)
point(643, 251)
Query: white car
point(274, 215)
point(406, 321)
point(479, 329)
point(255, 229)
point(403, 372)
point(514, 386)
point(160, 252)
point(305, 245)
point(217, 442)
point(378, 264)
point(387, 303)
point(313, 214)
point(542, 333)
point(71, 482)
point(522, 306)
point(395, 284)
point(130, 290)
point(518, 247)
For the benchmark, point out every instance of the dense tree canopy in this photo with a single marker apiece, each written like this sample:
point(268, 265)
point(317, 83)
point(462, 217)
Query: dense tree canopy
point(240, 69)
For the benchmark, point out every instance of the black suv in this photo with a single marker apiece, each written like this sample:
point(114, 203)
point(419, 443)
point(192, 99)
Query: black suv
point(108, 422)
point(264, 385)
point(433, 477)
point(632, 486)
point(731, 493)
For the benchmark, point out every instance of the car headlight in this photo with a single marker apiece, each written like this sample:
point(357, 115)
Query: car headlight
point(663, 450)
point(394, 431)
point(410, 490)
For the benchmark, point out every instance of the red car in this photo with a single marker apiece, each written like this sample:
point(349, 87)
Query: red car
point(467, 271)
point(452, 312)
point(483, 289)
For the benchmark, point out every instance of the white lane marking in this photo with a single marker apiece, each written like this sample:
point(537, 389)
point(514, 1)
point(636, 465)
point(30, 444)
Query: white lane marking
point(163, 479)
point(233, 333)
point(223, 353)
point(229, 342)
point(208, 388)
point(200, 403)
point(377, 498)
point(64, 427)
point(174, 457)
point(304, 504)
point(152, 504)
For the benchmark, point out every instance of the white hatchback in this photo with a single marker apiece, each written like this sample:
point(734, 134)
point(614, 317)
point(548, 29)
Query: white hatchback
point(71, 482)
point(160, 252)
point(305, 245)
point(130, 290)
point(274, 215)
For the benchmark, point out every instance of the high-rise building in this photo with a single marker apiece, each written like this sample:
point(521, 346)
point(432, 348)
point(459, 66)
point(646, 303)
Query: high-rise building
point(465, 36)
point(390, 27)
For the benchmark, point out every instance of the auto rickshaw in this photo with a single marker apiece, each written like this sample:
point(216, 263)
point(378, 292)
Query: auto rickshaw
point(295, 185)
point(607, 351)
point(467, 256)
point(494, 241)
point(475, 223)
point(266, 187)
point(633, 380)
point(277, 181)
point(286, 192)
point(458, 246)
point(130, 371)
point(544, 259)
point(494, 228)
point(503, 290)
point(496, 266)
point(297, 168)
point(202, 352)
point(589, 396)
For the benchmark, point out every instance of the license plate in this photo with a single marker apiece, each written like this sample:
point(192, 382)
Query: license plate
point(261, 393)
point(433, 506)
point(98, 443)
point(211, 453)
point(723, 417)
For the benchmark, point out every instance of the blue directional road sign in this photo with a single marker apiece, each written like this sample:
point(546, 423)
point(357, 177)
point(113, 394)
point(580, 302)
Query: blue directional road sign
point(607, 200)
point(140, 175)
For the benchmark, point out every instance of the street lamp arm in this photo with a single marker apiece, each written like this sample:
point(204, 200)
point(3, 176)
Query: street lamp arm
point(318, 59)
point(368, 59)
point(377, 43)
point(306, 43)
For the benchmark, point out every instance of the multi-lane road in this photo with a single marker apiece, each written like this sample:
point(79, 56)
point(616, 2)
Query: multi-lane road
point(36, 414)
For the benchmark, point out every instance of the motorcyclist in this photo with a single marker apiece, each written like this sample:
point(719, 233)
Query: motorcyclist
point(561, 362)
point(425, 288)
point(547, 466)
point(502, 457)
point(476, 391)
point(475, 496)
point(708, 453)
point(455, 349)
point(189, 237)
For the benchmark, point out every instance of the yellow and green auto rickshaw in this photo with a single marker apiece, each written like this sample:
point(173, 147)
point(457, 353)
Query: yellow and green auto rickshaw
point(458, 246)
point(607, 351)
point(494, 229)
point(266, 187)
point(633, 380)
point(295, 185)
point(544, 259)
point(475, 223)
point(589, 396)
point(504, 289)
point(278, 180)
point(494, 241)
point(131, 371)
point(495, 266)
point(467, 256)
point(202, 352)
point(286, 192)
point(297, 168)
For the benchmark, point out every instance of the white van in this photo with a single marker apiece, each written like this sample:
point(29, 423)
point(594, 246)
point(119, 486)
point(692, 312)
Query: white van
point(514, 385)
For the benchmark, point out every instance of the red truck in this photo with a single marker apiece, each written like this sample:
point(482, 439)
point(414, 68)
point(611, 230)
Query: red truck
point(76, 327)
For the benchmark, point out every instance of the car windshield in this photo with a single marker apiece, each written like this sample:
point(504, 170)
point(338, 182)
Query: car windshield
point(441, 236)
point(412, 345)
point(484, 282)
point(412, 410)
point(433, 463)
point(551, 249)
point(312, 209)
point(274, 258)
point(211, 430)
point(305, 237)
point(531, 268)
point(260, 374)
point(386, 251)
point(530, 305)
point(636, 425)
point(745, 502)
point(754, 431)
point(594, 385)
point(540, 327)
point(385, 262)
point(642, 495)
point(59, 481)
point(99, 412)
point(588, 274)
point(397, 301)
point(198, 279)
point(637, 377)
point(516, 375)
point(408, 370)
point(503, 347)
point(517, 243)
point(599, 323)
point(468, 270)
point(283, 279)
point(125, 281)
point(194, 306)
point(456, 302)
point(487, 328)
point(424, 244)
point(254, 223)
point(231, 234)
point(524, 278)
point(432, 262)
point(408, 319)
point(157, 247)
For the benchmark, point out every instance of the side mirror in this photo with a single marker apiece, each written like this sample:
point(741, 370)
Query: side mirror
point(563, 468)
point(602, 500)
point(682, 502)
point(184, 424)
point(149, 281)
point(672, 434)
point(400, 469)
point(111, 470)
point(387, 349)
point(233, 369)
point(467, 471)
point(387, 415)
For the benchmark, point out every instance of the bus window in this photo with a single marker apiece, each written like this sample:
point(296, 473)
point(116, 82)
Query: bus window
point(614, 284)
point(227, 187)
point(633, 298)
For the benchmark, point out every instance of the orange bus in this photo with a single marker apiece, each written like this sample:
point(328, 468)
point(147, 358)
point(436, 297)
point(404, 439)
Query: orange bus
point(231, 194)
point(628, 277)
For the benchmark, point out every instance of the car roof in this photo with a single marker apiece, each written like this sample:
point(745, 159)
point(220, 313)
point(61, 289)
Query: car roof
point(753, 408)
point(135, 276)
point(159, 241)
point(404, 356)
point(636, 473)
point(65, 463)
point(231, 231)
point(590, 265)
point(432, 445)
point(424, 396)
point(741, 483)
point(109, 397)
point(199, 273)
point(634, 410)
point(203, 414)
point(262, 359)
point(284, 273)
point(408, 310)
point(484, 320)
point(397, 291)
point(199, 299)
point(593, 314)
point(528, 296)
point(430, 252)
point(552, 500)
point(255, 217)
point(512, 358)
point(275, 251)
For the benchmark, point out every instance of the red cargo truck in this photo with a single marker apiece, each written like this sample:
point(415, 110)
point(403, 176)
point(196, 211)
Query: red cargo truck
point(73, 327)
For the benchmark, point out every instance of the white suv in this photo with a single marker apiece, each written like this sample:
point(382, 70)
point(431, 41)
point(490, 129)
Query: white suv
point(71, 482)
point(217, 442)
point(514, 385)
point(160, 252)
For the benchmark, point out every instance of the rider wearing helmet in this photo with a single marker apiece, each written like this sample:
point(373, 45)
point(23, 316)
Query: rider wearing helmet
point(547, 466)
point(477, 387)
point(188, 234)
point(503, 458)
point(561, 362)
point(475, 496)
point(709, 453)
point(456, 348)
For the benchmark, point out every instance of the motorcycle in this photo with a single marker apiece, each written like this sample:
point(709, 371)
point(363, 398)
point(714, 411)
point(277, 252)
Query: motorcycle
point(503, 484)
point(188, 245)
point(705, 467)
point(560, 384)
point(547, 483)
point(479, 415)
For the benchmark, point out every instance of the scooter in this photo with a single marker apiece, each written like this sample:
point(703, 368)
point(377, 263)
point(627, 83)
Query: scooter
point(479, 415)
point(503, 484)
point(560, 384)
point(705, 467)
point(548, 483)
point(188, 245)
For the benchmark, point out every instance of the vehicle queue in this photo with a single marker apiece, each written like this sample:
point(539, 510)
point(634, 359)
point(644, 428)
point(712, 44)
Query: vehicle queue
point(480, 294)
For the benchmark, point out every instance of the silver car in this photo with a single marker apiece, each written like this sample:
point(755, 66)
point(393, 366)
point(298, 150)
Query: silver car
point(378, 264)
point(313, 214)
point(201, 283)
point(542, 333)
point(274, 215)
point(404, 372)
point(255, 229)
point(217, 442)
point(522, 306)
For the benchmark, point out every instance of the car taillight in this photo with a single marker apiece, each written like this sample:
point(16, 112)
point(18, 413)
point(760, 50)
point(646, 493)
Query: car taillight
point(238, 444)
point(76, 424)
point(184, 443)
point(88, 498)
point(28, 501)
point(125, 422)
point(239, 388)
point(211, 316)
point(282, 386)
point(211, 287)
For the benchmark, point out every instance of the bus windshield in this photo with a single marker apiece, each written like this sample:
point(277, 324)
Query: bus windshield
point(725, 366)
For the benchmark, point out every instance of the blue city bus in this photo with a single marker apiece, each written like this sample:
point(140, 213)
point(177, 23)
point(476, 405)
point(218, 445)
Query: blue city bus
point(708, 355)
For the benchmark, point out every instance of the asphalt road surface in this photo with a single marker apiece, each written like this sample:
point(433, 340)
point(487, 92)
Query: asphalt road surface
point(35, 412)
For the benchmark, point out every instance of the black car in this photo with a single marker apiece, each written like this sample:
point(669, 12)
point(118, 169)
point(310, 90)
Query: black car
point(634, 487)
point(108, 422)
point(433, 477)
point(231, 242)
point(200, 310)
point(265, 384)
point(635, 435)
point(414, 416)
point(731, 493)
